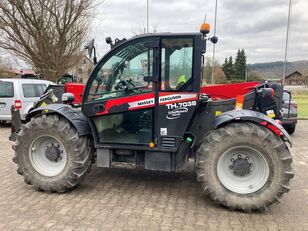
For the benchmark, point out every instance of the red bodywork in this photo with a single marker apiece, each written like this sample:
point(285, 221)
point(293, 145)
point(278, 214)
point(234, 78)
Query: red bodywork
point(228, 91)
point(219, 91)
point(147, 100)
point(76, 89)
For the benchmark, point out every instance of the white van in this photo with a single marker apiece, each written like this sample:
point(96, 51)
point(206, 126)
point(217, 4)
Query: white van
point(21, 93)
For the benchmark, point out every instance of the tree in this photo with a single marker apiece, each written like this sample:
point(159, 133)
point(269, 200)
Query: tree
point(254, 76)
point(47, 34)
point(218, 72)
point(240, 65)
point(5, 69)
point(220, 76)
point(228, 69)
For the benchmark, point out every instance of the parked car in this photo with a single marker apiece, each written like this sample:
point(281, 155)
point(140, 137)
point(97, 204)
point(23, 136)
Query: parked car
point(289, 112)
point(21, 93)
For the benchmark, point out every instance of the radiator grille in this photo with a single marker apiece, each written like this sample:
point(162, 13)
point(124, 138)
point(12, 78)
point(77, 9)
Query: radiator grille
point(168, 142)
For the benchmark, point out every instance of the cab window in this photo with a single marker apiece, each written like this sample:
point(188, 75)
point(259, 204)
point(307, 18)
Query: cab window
point(122, 74)
point(176, 64)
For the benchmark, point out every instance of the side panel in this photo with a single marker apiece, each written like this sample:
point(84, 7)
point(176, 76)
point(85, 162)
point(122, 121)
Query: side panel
point(158, 161)
point(174, 112)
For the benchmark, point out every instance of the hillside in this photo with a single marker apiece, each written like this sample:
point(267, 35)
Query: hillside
point(274, 70)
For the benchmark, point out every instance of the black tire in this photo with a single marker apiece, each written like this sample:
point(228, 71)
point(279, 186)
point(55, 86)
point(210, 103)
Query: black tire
point(274, 150)
point(78, 151)
point(290, 129)
point(2, 121)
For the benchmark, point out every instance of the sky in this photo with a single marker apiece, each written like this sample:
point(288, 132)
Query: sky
point(258, 26)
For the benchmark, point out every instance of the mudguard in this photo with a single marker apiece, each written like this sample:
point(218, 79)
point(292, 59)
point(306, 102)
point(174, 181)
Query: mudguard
point(253, 116)
point(73, 115)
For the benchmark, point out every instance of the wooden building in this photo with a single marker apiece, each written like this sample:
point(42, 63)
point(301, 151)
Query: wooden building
point(295, 79)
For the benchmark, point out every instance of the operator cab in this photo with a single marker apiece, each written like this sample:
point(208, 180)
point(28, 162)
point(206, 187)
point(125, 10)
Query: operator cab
point(141, 89)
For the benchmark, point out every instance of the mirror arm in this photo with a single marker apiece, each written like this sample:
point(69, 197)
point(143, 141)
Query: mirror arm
point(94, 57)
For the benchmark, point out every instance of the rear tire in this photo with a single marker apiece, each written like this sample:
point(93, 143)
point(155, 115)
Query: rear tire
point(51, 155)
point(244, 166)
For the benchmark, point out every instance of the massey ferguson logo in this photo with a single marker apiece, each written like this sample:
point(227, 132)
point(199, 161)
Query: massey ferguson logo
point(176, 97)
point(141, 103)
point(171, 101)
point(169, 98)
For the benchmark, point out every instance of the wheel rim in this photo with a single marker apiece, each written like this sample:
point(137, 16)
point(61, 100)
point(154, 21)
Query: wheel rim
point(47, 156)
point(243, 169)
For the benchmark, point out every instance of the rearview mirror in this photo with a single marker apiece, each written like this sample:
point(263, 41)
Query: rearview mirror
point(68, 97)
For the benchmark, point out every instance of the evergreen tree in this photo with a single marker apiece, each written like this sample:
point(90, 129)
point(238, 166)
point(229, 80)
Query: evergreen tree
point(227, 68)
point(240, 65)
point(231, 67)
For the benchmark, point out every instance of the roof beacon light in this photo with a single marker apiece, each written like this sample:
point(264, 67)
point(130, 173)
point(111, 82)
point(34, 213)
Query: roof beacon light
point(205, 28)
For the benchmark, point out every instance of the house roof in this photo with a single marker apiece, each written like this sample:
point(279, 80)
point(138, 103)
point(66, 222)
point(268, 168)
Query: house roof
point(295, 72)
point(22, 71)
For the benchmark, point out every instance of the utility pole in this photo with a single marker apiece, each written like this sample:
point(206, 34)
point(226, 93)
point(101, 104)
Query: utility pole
point(213, 65)
point(287, 41)
point(246, 74)
point(147, 16)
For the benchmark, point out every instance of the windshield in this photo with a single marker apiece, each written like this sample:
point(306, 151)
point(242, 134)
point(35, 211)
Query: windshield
point(287, 96)
point(122, 74)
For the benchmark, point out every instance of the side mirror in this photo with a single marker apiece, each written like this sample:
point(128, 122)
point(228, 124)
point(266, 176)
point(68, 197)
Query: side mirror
point(90, 47)
point(149, 79)
point(214, 39)
point(109, 41)
point(68, 98)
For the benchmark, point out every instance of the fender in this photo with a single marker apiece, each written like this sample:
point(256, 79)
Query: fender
point(256, 117)
point(73, 115)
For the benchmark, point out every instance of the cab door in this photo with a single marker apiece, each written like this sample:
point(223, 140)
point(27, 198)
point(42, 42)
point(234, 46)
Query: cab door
point(117, 100)
point(179, 90)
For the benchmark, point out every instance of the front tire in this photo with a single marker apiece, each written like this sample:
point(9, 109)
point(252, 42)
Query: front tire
point(51, 155)
point(244, 166)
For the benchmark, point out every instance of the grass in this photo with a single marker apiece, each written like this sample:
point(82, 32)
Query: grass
point(301, 98)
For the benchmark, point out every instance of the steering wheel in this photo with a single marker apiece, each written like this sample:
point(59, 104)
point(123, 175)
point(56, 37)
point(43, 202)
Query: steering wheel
point(128, 86)
point(121, 85)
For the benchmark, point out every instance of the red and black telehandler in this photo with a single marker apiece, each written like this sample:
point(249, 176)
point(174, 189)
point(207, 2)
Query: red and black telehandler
point(144, 104)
